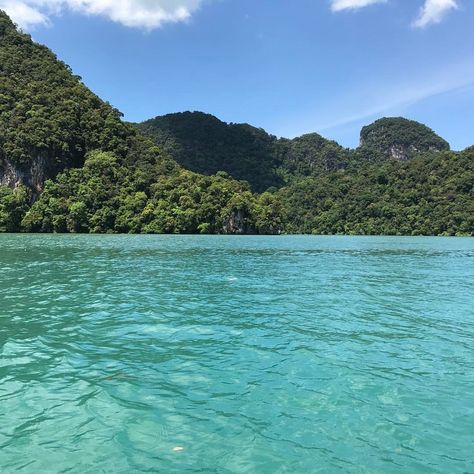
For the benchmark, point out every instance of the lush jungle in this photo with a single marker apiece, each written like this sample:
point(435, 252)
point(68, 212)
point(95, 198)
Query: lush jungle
point(69, 163)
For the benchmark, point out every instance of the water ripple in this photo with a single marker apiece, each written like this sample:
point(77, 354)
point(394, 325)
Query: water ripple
point(268, 355)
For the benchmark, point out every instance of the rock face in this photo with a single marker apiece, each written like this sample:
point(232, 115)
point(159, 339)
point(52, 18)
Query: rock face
point(33, 176)
point(400, 139)
point(405, 152)
point(240, 223)
point(236, 224)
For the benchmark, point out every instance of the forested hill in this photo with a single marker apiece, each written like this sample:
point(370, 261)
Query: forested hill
point(203, 143)
point(68, 163)
point(400, 138)
point(48, 119)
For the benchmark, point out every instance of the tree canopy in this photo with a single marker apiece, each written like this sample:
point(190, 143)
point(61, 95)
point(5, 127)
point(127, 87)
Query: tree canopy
point(400, 138)
point(46, 114)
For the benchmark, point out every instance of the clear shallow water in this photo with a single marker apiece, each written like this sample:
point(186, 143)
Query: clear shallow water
point(267, 355)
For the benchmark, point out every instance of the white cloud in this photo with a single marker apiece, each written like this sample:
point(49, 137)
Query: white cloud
point(23, 14)
point(151, 14)
point(146, 14)
point(339, 5)
point(433, 11)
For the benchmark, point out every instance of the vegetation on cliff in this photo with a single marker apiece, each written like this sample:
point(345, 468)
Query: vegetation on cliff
point(401, 139)
point(432, 194)
point(66, 154)
point(48, 119)
point(157, 196)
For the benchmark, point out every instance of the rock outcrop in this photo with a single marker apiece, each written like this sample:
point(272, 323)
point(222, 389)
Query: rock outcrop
point(33, 175)
point(400, 139)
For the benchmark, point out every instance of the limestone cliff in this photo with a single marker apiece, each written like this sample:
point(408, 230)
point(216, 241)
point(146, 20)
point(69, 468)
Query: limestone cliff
point(400, 139)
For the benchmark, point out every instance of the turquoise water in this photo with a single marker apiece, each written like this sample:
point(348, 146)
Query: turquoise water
point(254, 355)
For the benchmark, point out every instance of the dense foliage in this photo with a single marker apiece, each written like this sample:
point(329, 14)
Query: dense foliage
point(311, 155)
point(105, 177)
point(400, 138)
point(107, 196)
point(14, 203)
point(202, 143)
point(430, 195)
point(69, 164)
point(46, 113)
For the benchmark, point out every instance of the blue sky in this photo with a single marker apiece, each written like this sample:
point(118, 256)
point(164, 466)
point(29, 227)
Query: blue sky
point(289, 66)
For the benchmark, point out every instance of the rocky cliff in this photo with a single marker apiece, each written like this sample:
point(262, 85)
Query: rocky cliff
point(400, 139)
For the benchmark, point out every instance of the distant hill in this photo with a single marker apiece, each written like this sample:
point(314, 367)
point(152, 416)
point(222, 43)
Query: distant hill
point(204, 144)
point(401, 139)
point(311, 155)
point(430, 194)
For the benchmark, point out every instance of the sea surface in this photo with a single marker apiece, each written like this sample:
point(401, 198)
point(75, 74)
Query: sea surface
point(130, 354)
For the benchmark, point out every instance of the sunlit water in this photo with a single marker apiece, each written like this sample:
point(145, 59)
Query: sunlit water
point(254, 355)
